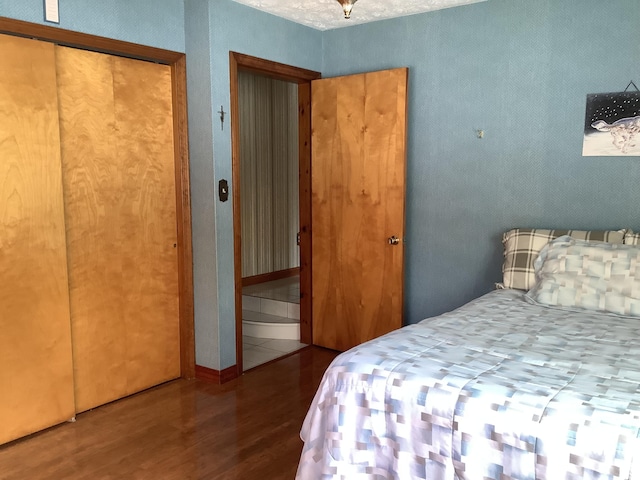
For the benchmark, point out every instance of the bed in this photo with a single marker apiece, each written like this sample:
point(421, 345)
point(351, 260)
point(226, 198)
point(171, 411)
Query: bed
point(538, 383)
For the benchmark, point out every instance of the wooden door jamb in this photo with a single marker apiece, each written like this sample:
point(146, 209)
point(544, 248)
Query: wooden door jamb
point(303, 77)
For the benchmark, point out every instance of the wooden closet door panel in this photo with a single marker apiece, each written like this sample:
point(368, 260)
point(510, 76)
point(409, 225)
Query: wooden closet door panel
point(36, 373)
point(92, 190)
point(118, 156)
point(143, 107)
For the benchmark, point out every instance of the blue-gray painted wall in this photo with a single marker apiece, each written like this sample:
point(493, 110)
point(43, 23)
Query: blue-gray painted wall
point(517, 69)
point(220, 26)
point(203, 204)
point(147, 22)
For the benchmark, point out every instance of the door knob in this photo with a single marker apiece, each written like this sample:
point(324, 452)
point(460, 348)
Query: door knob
point(393, 240)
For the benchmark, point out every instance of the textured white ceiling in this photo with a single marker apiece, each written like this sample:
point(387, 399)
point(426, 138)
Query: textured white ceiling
point(327, 14)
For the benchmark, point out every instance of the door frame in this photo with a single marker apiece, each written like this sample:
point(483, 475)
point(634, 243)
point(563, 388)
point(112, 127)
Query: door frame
point(302, 77)
point(177, 62)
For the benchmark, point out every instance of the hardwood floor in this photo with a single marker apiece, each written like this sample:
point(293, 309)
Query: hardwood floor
point(185, 429)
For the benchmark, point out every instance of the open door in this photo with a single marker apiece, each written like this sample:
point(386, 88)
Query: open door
point(358, 170)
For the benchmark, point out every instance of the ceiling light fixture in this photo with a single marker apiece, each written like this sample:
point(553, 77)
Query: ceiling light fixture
point(347, 5)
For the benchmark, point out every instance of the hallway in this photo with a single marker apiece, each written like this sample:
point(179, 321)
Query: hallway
point(271, 320)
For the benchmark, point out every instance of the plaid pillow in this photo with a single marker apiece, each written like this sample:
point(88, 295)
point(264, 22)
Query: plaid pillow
point(522, 245)
point(631, 238)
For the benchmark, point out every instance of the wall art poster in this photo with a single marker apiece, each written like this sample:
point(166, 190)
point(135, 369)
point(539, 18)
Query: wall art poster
point(612, 124)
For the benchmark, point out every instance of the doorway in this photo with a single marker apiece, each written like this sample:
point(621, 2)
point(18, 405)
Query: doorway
point(299, 81)
point(268, 116)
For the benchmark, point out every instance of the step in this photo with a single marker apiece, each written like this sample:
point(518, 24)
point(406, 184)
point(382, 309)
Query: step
point(263, 325)
point(271, 307)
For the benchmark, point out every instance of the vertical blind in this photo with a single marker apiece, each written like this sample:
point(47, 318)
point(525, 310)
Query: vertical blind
point(268, 173)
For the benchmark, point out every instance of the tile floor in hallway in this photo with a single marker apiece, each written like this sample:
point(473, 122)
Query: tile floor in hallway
point(256, 351)
point(285, 289)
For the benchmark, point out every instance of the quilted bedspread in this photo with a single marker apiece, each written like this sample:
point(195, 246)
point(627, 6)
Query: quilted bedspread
point(498, 389)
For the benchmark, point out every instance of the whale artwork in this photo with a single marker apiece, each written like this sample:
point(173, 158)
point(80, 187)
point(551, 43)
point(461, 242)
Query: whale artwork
point(612, 125)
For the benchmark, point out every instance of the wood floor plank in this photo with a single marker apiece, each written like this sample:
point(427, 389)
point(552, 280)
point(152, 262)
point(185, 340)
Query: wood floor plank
point(186, 429)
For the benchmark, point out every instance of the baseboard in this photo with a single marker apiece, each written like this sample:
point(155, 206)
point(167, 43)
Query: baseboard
point(270, 276)
point(218, 377)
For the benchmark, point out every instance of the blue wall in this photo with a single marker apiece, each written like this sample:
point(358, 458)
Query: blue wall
point(520, 71)
point(203, 205)
point(148, 22)
point(230, 27)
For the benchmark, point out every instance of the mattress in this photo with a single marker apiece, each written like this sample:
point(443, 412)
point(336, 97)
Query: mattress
point(499, 388)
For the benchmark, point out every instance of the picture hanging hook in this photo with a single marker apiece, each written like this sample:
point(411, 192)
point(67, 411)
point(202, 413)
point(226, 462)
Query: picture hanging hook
point(634, 86)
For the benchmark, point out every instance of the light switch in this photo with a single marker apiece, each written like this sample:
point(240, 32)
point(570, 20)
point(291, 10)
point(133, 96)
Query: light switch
point(223, 190)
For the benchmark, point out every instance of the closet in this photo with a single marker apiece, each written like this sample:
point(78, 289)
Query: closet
point(89, 296)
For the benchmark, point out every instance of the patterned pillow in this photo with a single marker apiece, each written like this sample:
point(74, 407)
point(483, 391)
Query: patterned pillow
point(521, 247)
point(594, 276)
point(631, 238)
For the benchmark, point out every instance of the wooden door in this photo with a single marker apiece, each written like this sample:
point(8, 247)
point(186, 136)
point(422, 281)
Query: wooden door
point(358, 196)
point(36, 372)
point(118, 158)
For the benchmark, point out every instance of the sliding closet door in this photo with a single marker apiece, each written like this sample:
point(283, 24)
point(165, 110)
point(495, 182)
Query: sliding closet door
point(36, 373)
point(119, 181)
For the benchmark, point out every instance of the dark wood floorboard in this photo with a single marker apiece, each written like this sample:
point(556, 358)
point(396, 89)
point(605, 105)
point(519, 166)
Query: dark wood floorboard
point(186, 429)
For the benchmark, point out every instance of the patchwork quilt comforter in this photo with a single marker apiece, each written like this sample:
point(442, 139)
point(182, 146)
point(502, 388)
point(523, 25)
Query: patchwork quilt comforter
point(498, 389)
